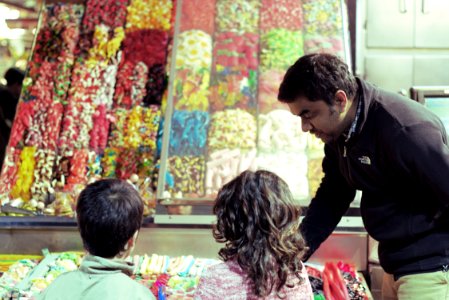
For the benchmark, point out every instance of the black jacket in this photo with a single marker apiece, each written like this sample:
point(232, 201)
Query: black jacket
point(399, 159)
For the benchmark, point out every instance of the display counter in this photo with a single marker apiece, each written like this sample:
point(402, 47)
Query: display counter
point(348, 243)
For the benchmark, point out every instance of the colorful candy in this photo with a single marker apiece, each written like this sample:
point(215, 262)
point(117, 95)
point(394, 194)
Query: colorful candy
point(231, 129)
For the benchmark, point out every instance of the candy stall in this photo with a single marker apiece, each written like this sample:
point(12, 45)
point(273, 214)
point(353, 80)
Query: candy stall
point(177, 97)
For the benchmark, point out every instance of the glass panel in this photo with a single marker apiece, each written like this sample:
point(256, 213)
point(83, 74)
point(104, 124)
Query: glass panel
point(230, 59)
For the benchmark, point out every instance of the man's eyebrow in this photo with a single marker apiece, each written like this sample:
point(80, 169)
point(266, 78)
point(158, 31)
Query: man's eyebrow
point(302, 113)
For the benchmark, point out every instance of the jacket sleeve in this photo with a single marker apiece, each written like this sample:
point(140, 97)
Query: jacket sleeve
point(331, 201)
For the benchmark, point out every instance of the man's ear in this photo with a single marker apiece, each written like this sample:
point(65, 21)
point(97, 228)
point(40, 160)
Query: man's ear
point(341, 100)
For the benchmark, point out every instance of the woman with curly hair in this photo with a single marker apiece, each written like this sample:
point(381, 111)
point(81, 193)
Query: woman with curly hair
point(258, 221)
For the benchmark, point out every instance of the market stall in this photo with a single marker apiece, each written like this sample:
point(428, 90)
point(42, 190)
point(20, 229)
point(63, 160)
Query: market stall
point(177, 114)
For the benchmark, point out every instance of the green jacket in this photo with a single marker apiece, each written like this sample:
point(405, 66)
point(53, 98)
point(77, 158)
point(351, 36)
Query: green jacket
point(97, 278)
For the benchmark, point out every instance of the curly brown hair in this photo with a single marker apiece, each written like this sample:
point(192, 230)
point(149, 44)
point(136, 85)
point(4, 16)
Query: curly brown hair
point(258, 221)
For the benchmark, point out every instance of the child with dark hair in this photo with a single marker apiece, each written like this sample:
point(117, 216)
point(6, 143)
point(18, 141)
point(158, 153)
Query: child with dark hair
point(258, 221)
point(109, 214)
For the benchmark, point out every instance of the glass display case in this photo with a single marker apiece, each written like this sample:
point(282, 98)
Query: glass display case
point(177, 97)
point(222, 114)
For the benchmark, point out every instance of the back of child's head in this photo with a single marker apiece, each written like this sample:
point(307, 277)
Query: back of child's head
point(109, 213)
point(14, 76)
point(258, 220)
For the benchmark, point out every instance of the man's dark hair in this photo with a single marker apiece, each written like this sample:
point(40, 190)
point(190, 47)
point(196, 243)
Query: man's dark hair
point(258, 220)
point(317, 77)
point(13, 76)
point(109, 212)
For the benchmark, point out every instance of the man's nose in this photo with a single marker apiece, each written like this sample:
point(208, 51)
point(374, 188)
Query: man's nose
point(305, 125)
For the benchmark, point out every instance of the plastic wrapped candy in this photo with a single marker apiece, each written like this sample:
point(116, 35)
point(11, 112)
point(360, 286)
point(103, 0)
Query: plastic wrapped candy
point(322, 18)
point(64, 204)
point(118, 127)
point(231, 129)
point(188, 174)
point(233, 87)
point(109, 162)
point(129, 74)
point(280, 130)
point(22, 186)
point(333, 45)
point(233, 49)
point(284, 164)
point(194, 18)
point(191, 90)
point(126, 163)
point(237, 15)
point(224, 165)
point(149, 126)
point(104, 48)
point(9, 169)
point(285, 14)
point(188, 132)
point(145, 163)
point(110, 13)
point(94, 168)
point(138, 90)
point(156, 85)
point(100, 129)
point(78, 167)
point(61, 170)
point(151, 49)
point(194, 51)
point(43, 174)
point(268, 88)
point(280, 48)
point(106, 92)
point(132, 138)
point(22, 121)
point(149, 14)
point(52, 126)
point(85, 125)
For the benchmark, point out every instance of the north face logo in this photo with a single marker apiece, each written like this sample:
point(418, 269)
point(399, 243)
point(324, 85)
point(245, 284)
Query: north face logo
point(365, 160)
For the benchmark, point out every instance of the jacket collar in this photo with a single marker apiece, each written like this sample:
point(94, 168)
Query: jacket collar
point(102, 266)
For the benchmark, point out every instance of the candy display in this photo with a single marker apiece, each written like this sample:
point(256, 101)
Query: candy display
point(280, 48)
point(279, 130)
point(149, 14)
point(284, 164)
point(22, 186)
point(194, 50)
point(237, 16)
point(336, 281)
point(188, 175)
point(194, 18)
point(332, 45)
point(268, 89)
point(285, 14)
point(223, 165)
point(166, 277)
point(9, 170)
point(322, 18)
point(188, 132)
point(14, 275)
point(230, 129)
point(191, 90)
point(97, 85)
point(43, 183)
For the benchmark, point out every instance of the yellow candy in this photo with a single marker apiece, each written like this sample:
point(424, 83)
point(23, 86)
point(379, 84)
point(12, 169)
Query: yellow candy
point(24, 180)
